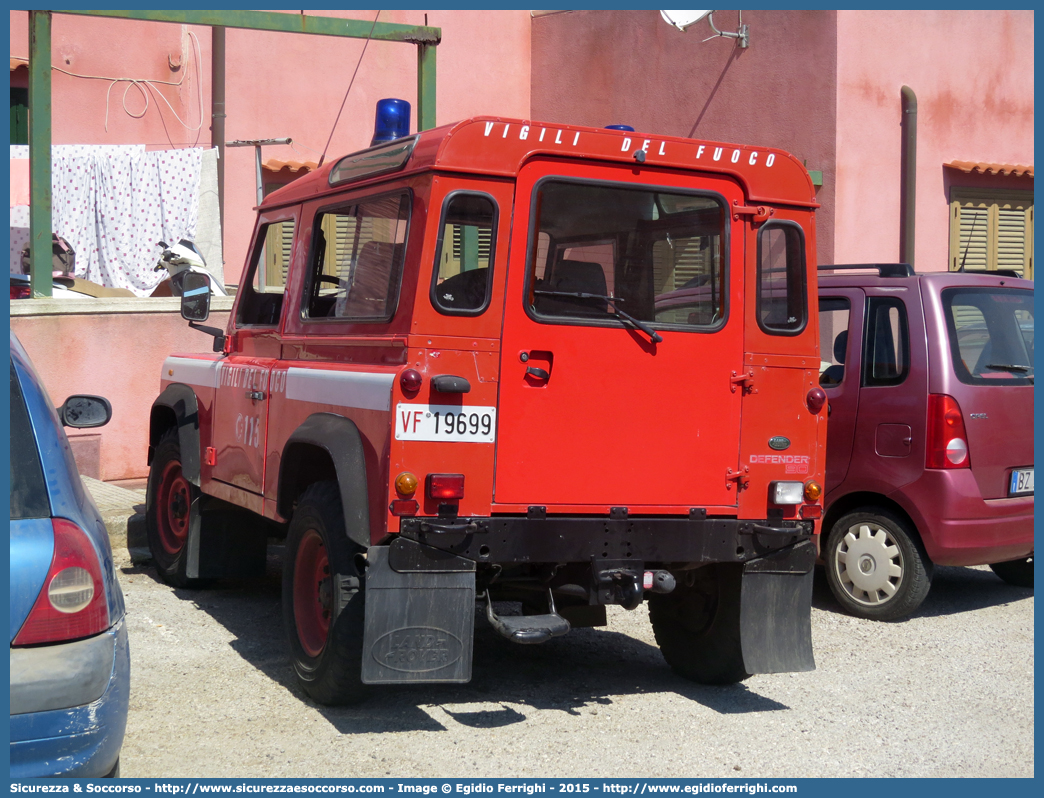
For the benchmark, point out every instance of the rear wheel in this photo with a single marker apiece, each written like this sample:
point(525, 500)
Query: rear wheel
point(1015, 572)
point(168, 511)
point(876, 567)
point(697, 625)
point(325, 644)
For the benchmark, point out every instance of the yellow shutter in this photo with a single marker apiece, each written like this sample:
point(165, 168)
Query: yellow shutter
point(991, 230)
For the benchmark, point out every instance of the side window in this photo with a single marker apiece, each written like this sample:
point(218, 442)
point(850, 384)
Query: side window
point(357, 260)
point(464, 255)
point(782, 303)
point(261, 303)
point(834, 314)
point(886, 347)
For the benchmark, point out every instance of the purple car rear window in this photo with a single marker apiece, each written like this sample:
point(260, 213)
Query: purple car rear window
point(991, 334)
point(28, 490)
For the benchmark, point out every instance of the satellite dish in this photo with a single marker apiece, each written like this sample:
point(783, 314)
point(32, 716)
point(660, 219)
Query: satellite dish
point(683, 19)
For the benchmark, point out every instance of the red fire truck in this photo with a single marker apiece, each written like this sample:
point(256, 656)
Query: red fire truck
point(506, 361)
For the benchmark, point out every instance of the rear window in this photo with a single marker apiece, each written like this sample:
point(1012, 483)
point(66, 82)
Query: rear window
point(600, 253)
point(991, 334)
point(28, 490)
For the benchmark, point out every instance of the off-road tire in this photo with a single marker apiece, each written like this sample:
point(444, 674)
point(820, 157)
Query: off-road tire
point(697, 625)
point(1015, 572)
point(326, 648)
point(169, 501)
point(891, 573)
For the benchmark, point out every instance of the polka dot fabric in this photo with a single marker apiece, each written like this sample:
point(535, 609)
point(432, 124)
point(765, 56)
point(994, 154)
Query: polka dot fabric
point(113, 203)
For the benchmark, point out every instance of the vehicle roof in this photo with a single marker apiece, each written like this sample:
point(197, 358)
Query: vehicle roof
point(938, 280)
point(499, 146)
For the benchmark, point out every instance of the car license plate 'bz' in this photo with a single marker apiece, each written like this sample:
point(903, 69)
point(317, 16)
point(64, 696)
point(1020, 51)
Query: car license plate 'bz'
point(1021, 481)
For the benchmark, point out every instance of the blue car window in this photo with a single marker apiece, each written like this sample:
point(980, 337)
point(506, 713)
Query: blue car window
point(28, 490)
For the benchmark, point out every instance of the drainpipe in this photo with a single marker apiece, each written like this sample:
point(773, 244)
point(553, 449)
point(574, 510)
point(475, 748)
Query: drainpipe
point(908, 176)
point(217, 112)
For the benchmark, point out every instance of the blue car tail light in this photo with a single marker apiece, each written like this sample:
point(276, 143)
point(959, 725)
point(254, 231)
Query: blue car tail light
point(72, 602)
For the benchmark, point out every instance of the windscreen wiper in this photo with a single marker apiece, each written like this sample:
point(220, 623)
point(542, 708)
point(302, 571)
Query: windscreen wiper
point(654, 336)
point(1027, 370)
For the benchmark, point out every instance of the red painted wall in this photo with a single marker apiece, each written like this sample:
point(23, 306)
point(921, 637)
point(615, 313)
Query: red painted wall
point(631, 67)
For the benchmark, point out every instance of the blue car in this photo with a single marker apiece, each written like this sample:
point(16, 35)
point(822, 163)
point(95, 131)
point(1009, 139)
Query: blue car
point(70, 664)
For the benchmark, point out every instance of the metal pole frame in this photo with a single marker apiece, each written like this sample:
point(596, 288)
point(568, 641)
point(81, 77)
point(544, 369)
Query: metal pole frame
point(425, 38)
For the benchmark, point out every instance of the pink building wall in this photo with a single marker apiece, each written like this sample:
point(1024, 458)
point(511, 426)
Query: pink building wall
point(972, 72)
point(630, 67)
point(277, 85)
point(117, 353)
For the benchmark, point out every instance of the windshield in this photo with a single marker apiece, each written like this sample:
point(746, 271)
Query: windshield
point(613, 255)
point(991, 334)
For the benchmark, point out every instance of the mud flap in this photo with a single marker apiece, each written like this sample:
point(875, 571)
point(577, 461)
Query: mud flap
point(776, 611)
point(420, 619)
point(224, 541)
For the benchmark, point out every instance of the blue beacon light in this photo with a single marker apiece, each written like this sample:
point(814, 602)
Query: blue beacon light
point(628, 128)
point(393, 121)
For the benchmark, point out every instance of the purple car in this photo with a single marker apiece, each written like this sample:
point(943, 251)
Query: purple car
point(929, 379)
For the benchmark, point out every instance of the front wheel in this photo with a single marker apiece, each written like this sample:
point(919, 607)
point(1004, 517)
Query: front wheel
point(169, 503)
point(876, 567)
point(697, 625)
point(322, 564)
point(1015, 572)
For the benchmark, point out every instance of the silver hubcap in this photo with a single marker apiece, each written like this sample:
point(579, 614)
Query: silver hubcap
point(869, 564)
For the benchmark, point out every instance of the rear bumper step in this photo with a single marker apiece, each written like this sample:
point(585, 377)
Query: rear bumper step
point(696, 539)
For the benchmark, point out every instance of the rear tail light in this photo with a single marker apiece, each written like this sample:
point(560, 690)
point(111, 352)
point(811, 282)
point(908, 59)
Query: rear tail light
point(20, 292)
point(445, 486)
point(72, 602)
point(947, 444)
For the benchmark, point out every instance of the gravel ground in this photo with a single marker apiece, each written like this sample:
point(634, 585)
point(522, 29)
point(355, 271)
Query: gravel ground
point(948, 692)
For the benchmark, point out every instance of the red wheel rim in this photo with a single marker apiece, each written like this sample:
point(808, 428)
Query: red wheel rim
point(313, 593)
point(172, 509)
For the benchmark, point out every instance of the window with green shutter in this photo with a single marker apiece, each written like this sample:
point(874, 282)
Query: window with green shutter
point(990, 230)
point(19, 115)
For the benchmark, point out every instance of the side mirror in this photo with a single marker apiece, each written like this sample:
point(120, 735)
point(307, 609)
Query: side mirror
point(82, 411)
point(195, 296)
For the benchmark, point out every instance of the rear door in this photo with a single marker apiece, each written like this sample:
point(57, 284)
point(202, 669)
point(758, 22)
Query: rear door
point(990, 336)
point(591, 410)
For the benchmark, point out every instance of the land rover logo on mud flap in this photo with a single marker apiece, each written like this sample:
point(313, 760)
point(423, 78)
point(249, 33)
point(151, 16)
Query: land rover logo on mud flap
point(779, 443)
point(417, 649)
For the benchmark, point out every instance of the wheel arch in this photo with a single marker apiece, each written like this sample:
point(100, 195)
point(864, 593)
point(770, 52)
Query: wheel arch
point(868, 501)
point(327, 446)
point(177, 407)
